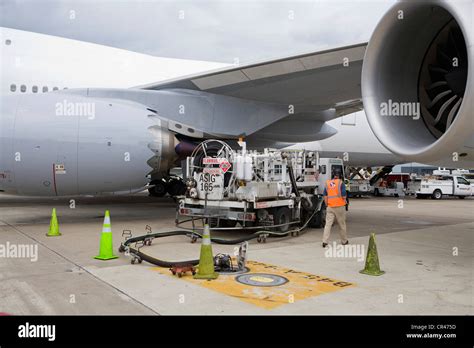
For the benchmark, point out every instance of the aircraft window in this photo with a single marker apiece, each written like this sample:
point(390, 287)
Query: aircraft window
point(55, 88)
point(8, 42)
point(190, 130)
point(178, 126)
point(23, 88)
point(65, 88)
point(45, 89)
point(13, 88)
point(35, 89)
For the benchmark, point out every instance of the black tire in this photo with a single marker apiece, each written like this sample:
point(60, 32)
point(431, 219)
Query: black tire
point(437, 194)
point(281, 216)
point(319, 219)
point(160, 188)
point(227, 223)
point(176, 187)
point(462, 197)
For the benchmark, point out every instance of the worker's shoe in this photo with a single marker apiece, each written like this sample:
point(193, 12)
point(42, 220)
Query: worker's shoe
point(325, 245)
point(347, 242)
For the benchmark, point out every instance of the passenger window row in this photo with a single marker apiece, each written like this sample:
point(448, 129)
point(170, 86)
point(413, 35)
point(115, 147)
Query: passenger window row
point(34, 89)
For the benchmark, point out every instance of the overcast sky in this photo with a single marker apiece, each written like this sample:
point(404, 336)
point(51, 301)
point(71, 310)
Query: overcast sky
point(218, 30)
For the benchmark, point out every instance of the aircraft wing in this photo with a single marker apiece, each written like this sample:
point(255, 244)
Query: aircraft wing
point(311, 82)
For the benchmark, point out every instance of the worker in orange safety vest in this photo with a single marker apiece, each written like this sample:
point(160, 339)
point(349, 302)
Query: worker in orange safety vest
point(335, 199)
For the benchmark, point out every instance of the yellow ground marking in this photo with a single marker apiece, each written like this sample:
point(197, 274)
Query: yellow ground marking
point(301, 285)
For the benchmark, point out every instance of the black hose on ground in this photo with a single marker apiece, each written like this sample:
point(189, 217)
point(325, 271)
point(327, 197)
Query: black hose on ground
point(161, 263)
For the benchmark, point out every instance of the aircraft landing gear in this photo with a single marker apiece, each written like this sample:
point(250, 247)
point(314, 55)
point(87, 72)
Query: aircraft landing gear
point(172, 185)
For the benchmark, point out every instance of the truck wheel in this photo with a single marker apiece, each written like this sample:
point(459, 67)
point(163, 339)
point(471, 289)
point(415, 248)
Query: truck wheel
point(437, 194)
point(159, 190)
point(462, 197)
point(281, 216)
point(319, 219)
point(227, 223)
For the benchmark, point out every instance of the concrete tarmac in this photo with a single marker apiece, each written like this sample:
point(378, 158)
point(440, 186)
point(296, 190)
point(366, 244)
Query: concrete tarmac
point(425, 247)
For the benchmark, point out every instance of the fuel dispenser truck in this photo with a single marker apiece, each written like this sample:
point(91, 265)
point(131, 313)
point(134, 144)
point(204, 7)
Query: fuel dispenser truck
point(274, 190)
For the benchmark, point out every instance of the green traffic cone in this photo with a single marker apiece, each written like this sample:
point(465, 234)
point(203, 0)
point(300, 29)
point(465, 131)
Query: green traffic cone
point(53, 225)
point(206, 259)
point(372, 266)
point(106, 246)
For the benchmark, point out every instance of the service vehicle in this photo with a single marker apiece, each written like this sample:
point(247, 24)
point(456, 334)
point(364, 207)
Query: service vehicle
point(392, 189)
point(470, 177)
point(275, 190)
point(413, 185)
point(360, 187)
point(444, 185)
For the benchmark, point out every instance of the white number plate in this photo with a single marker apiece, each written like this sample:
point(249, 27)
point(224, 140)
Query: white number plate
point(210, 184)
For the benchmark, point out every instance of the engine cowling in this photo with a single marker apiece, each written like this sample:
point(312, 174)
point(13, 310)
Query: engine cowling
point(59, 144)
point(417, 83)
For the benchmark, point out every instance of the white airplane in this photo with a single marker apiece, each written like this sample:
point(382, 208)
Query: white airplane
point(126, 118)
point(354, 142)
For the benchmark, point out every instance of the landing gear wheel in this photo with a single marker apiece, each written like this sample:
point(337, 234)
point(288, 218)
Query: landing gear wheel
point(160, 188)
point(121, 248)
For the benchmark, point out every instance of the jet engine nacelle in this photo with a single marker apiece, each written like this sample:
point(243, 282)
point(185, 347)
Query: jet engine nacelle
point(417, 82)
point(62, 144)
